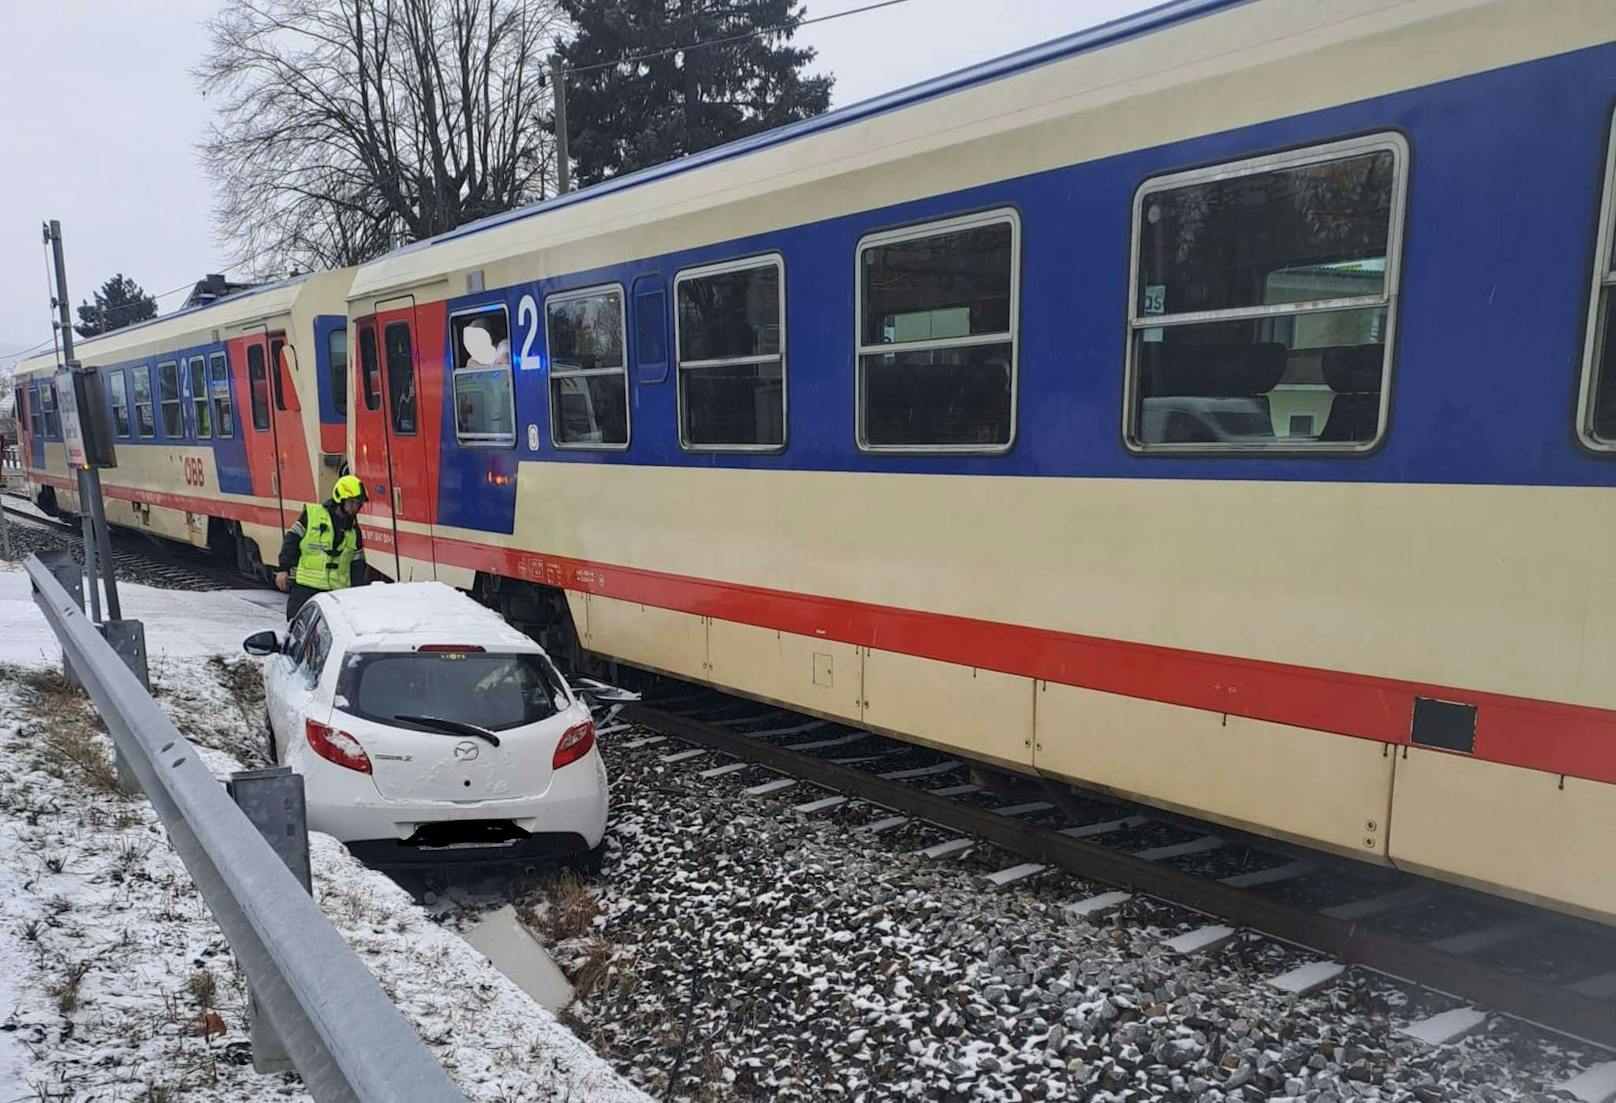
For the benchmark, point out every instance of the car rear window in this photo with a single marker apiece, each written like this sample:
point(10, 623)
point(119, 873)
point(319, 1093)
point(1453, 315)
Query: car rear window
point(493, 691)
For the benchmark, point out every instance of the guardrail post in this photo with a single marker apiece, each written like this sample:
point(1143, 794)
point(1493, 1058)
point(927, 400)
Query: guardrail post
point(128, 639)
point(272, 801)
point(65, 569)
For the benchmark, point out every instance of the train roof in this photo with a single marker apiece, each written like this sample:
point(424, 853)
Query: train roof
point(244, 307)
point(1171, 48)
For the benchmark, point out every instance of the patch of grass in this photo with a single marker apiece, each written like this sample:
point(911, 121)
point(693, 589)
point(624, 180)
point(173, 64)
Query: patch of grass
point(70, 749)
point(203, 987)
point(573, 907)
point(66, 991)
point(596, 967)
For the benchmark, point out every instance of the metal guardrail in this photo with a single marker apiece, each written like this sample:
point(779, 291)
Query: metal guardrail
point(345, 1037)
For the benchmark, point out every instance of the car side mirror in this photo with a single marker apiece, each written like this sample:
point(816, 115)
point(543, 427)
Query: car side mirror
point(262, 643)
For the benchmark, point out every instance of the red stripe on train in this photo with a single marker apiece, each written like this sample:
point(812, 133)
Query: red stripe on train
point(1552, 736)
point(212, 507)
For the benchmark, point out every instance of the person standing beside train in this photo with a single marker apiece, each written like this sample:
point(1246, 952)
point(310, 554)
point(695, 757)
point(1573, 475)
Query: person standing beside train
point(323, 550)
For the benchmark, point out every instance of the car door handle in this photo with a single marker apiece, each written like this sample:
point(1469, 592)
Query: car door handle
point(398, 499)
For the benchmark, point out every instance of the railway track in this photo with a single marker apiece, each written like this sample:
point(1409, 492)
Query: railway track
point(1493, 956)
point(138, 559)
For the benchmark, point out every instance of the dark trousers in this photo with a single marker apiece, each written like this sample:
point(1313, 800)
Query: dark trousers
point(297, 596)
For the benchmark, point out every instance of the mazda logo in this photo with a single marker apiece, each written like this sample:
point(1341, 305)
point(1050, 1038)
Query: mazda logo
point(465, 752)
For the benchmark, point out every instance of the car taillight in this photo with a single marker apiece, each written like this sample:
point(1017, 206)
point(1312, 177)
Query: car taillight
point(337, 746)
point(574, 744)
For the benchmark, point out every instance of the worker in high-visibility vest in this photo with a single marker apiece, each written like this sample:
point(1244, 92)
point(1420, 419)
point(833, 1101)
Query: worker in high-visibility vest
point(323, 550)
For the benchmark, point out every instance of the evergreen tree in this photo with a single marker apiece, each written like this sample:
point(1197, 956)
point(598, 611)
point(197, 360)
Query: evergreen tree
point(625, 115)
point(119, 302)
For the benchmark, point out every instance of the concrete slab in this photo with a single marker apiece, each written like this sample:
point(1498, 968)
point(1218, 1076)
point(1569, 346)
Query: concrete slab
point(1010, 876)
point(1473, 941)
point(1449, 1026)
point(770, 787)
point(1307, 978)
point(648, 741)
point(793, 729)
point(858, 759)
point(1593, 1085)
point(1026, 809)
point(684, 756)
point(835, 741)
point(1362, 909)
point(1179, 850)
point(952, 846)
point(1200, 940)
point(612, 729)
point(877, 827)
point(725, 771)
point(506, 942)
point(820, 805)
point(1103, 827)
point(1094, 907)
point(924, 771)
point(1271, 875)
point(955, 791)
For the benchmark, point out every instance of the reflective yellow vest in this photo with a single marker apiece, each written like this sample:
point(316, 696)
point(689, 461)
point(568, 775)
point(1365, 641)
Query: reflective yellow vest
point(319, 565)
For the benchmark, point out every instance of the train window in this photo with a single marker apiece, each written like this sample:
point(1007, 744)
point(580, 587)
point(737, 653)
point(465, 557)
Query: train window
point(336, 343)
point(258, 386)
point(36, 416)
point(1598, 398)
point(201, 408)
point(219, 387)
point(400, 377)
point(140, 383)
point(277, 375)
point(481, 347)
point(729, 333)
point(1263, 301)
point(369, 371)
point(651, 330)
point(120, 403)
point(168, 397)
point(937, 316)
point(53, 416)
point(588, 371)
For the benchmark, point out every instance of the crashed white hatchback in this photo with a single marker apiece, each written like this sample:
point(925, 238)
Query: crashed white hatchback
point(428, 730)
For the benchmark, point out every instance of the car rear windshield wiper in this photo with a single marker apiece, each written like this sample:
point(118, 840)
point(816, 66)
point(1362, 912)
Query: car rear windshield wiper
point(452, 727)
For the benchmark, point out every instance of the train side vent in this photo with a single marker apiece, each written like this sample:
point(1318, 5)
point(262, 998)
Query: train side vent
point(1446, 725)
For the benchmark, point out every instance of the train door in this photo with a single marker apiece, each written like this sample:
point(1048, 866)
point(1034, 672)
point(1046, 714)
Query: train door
point(410, 485)
point(372, 462)
point(292, 457)
point(262, 419)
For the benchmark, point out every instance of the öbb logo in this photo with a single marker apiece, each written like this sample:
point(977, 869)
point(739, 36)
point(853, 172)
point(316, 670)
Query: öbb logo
point(194, 472)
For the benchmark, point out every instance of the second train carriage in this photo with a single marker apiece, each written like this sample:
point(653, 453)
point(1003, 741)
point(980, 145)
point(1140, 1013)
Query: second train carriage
point(1189, 408)
point(228, 418)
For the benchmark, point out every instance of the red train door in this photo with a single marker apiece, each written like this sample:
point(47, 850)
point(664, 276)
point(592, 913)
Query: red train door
point(262, 416)
point(405, 429)
point(372, 461)
point(291, 434)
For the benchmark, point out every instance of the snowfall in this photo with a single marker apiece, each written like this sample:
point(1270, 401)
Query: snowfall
point(115, 983)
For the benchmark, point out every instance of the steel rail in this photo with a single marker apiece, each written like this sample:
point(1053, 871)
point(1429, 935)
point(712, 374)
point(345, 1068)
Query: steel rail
point(1548, 1005)
point(346, 1038)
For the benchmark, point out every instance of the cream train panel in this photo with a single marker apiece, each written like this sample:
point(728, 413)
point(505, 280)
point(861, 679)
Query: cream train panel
point(661, 639)
point(982, 713)
point(1315, 787)
point(1213, 73)
point(820, 676)
point(1520, 832)
point(1493, 595)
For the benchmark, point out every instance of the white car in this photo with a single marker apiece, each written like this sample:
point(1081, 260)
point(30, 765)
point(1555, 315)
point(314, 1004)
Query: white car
point(428, 730)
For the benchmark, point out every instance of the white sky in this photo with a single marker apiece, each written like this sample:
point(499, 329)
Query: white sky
point(101, 118)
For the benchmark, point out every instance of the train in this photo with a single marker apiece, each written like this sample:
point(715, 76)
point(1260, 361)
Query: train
point(1213, 407)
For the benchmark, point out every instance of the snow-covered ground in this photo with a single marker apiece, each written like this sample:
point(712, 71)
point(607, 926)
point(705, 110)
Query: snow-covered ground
point(115, 983)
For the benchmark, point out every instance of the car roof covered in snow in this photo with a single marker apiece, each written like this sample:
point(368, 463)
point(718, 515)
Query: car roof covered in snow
point(410, 614)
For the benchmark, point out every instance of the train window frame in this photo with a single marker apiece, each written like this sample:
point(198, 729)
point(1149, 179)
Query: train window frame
point(137, 373)
point(224, 418)
point(196, 368)
point(1137, 322)
point(336, 340)
point(258, 388)
point(773, 260)
point(36, 412)
point(482, 440)
point(177, 400)
point(394, 403)
point(50, 410)
point(919, 231)
point(123, 427)
point(569, 295)
point(1601, 308)
point(370, 374)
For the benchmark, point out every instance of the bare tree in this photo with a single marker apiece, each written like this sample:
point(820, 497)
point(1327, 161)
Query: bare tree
point(345, 127)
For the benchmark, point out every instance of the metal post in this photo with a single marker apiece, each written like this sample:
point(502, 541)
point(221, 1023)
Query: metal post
point(558, 88)
point(89, 479)
point(66, 572)
point(272, 801)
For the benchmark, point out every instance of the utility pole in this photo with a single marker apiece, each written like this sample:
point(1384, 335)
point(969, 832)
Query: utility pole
point(558, 88)
point(91, 507)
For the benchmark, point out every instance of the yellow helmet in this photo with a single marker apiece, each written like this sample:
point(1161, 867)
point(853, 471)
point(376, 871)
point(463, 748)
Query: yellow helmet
point(347, 487)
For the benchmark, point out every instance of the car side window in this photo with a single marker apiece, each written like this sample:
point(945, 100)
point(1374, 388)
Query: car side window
point(318, 649)
point(298, 633)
